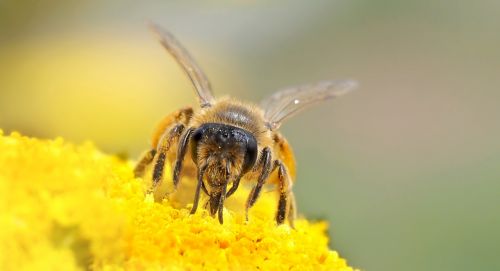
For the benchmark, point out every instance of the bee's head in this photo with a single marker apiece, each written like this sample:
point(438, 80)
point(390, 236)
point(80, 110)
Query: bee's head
point(224, 146)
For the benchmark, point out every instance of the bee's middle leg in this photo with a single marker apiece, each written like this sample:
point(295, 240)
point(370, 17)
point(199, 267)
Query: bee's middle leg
point(266, 165)
point(286, 203)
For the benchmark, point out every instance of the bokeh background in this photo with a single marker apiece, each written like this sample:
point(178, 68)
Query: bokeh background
point(406, 170)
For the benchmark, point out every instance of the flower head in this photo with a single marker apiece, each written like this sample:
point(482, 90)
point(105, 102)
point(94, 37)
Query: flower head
point(67, 207)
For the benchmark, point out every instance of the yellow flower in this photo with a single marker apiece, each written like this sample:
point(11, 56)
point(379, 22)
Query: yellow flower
point(67, 207)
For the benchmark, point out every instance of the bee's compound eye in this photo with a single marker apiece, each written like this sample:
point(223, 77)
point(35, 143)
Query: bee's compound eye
point(196, 137)
point(197, 134)
point(250, 154)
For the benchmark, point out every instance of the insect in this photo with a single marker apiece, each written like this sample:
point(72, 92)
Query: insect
point(229, 140)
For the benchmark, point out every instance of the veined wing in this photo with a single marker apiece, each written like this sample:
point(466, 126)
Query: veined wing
point(182, 56)
point(290, 101)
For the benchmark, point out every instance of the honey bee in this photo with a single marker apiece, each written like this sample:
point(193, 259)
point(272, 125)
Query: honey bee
point(229, 140)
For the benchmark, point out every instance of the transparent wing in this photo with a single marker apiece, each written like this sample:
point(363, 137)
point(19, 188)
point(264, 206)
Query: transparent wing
point(182, 56)
point(290, 101)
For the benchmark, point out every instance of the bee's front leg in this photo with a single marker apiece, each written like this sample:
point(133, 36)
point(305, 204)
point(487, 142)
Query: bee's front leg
point(221, 204)
point(201, 173)
point(235, 186)
point(181, 152)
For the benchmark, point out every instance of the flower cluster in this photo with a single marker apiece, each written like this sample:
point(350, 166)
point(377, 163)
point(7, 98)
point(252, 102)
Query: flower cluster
point(67, 207)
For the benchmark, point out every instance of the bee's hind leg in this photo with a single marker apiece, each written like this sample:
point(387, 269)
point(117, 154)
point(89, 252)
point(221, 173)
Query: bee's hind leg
point(292, 210)
point(166, 134)
point(169, 138)
point(146, 159)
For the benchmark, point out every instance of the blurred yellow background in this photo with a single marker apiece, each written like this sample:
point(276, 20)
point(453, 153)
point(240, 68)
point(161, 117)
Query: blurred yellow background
point(406, 170)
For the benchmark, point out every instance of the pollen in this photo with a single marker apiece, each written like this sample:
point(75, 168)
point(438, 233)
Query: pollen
point(72, 207)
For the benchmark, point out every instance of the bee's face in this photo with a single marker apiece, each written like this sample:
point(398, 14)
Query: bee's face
point(222, 145)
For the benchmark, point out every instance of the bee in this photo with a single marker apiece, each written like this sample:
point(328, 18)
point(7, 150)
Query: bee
point(229, 140)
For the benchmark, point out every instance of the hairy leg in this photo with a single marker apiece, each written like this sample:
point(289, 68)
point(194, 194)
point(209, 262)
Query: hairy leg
point(233, 188)
point(181, 153)
point(167, 140)
point(144, 161)
point(292, 211)
point(265, 165)
point(223, 193)
point(284, 180)
point(201, 172)
point(221, 203)
point(285, 193)
point(181, 116)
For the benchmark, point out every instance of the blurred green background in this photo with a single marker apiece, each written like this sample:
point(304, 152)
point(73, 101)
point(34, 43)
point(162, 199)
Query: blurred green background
point(406, 170)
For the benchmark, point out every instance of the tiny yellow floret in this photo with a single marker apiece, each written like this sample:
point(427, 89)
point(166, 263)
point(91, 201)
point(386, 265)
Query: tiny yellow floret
point(67, 207)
